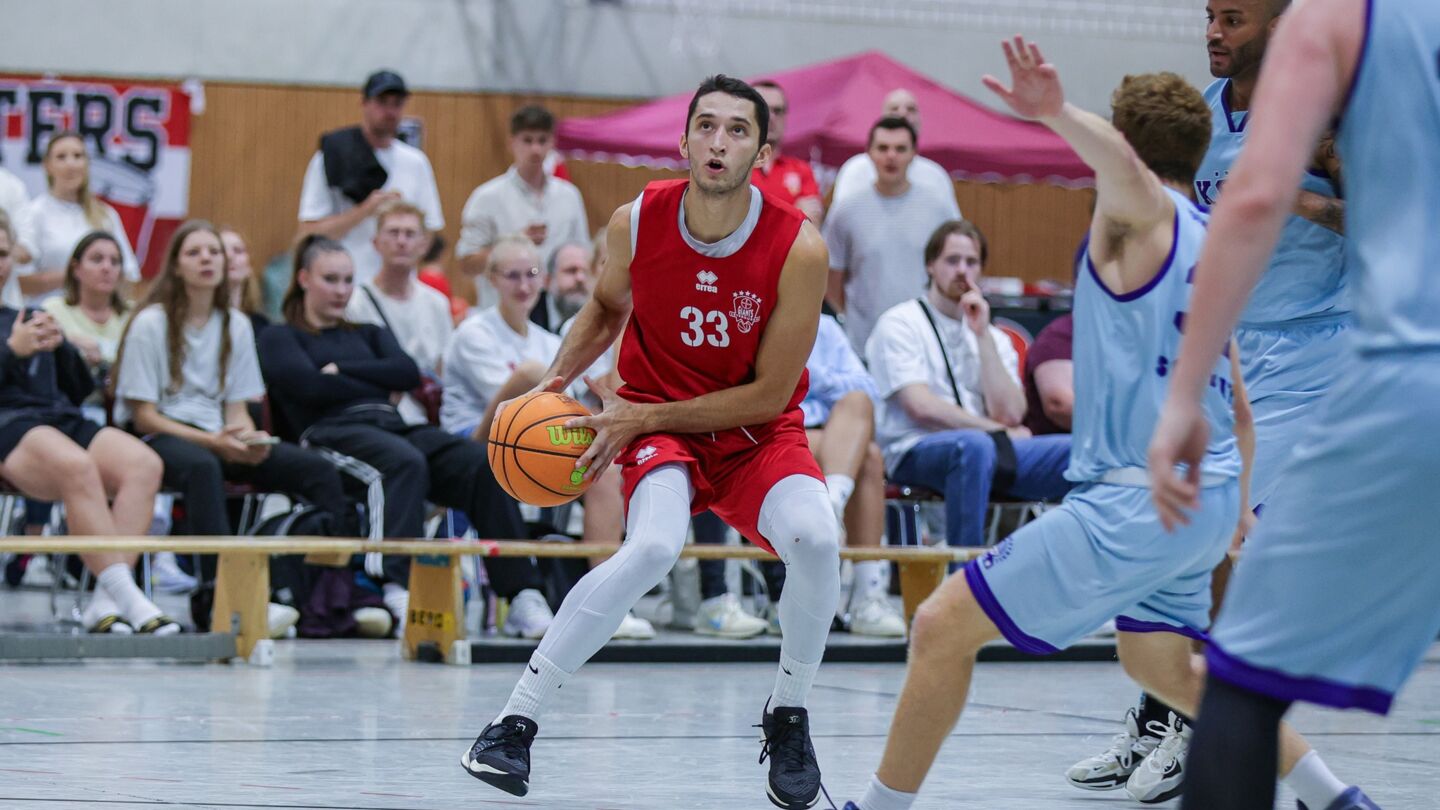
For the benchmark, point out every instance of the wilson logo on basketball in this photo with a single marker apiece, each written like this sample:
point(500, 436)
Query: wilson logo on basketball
point(574, 437)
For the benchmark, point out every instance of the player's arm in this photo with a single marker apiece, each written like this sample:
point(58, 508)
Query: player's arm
point(600, 321)
point(784, 348)
point(1306, 73)
point(1327, 212)
point(1129, 197)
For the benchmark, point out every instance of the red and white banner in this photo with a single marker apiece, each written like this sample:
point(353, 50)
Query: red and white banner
point(138, 137)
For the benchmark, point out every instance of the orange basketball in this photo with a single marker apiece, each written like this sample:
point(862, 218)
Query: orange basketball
point(533, 454)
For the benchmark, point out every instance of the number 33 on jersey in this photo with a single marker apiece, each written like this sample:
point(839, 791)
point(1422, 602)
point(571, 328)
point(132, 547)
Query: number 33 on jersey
point(699, 310)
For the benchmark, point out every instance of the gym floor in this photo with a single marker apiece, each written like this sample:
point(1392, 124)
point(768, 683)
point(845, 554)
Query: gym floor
point(347, 724)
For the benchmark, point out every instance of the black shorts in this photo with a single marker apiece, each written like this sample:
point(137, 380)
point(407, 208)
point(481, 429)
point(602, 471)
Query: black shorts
point(80, 430)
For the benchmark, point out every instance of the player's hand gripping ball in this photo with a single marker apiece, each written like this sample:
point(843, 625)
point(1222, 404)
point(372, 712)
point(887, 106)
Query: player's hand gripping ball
point(532, 453)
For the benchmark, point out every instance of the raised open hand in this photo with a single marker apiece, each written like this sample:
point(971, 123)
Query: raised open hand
point(1035, 90)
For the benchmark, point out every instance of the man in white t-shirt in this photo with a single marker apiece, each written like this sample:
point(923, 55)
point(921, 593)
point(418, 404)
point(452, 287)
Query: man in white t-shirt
point(417, 314)
point(877, 236)
point(951, 420)
point(858, 173)
point(525, 200)
point(343, 207)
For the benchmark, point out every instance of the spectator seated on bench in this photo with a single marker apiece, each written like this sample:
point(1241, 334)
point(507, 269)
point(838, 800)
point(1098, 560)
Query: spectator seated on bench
point(336, 382)
point(184, 377)
point(106, 479)
point(953, 400)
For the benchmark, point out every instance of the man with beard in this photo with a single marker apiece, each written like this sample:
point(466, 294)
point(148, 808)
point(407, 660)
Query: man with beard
point(721, 287)
point(568, 284)
point(1291, 337)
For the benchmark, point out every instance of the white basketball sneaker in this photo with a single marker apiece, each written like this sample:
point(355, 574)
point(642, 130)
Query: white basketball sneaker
point(722, 616)
point(1112, 768)
point(633, 626)
point(1161, 776)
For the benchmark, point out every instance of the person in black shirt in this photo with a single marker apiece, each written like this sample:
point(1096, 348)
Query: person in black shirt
point(106, 478)
point(335, 383)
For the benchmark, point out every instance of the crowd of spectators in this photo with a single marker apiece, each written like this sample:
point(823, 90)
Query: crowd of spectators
point(368, 404)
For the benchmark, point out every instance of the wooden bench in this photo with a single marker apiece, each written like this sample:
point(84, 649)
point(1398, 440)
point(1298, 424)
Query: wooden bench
point(436, 613)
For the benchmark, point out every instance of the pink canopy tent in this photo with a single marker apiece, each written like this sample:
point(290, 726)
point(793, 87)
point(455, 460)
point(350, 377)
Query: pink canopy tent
point(832, 106)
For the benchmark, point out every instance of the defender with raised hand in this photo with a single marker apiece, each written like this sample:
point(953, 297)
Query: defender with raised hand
point(1103, 553)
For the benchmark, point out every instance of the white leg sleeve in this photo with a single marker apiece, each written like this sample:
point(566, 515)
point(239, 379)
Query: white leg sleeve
point(797, 518)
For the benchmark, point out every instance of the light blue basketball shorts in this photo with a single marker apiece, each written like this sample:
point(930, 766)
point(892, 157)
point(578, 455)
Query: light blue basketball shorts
point(1337, 594)
point(1101, 555)
point(1287, 370)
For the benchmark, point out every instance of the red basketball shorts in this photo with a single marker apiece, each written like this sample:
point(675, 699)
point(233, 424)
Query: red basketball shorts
point(732, 471)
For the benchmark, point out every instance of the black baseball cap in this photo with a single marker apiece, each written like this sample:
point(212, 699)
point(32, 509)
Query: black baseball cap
point(385, 81)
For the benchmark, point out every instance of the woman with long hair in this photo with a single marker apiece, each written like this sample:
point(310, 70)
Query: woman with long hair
point(57, 220)
point(92, 312)
point(51, 452)
point(186, 369)
point(336, 381)
point(242, 280)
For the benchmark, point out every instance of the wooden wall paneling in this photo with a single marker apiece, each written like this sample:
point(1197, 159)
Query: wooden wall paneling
point(250, 149)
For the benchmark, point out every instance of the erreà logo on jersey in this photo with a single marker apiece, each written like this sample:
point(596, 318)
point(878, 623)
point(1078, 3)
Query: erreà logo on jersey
point(579, 437)
point(746, 311)
point(705, 281)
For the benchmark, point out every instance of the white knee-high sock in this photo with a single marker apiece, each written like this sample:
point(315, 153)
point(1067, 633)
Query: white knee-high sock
point(841, 487)
point(797, 521)
point(657, 524)
point(871, 577)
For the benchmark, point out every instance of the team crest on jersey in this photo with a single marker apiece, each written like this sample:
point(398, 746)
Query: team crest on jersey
point(705, 281)
point(746, 310)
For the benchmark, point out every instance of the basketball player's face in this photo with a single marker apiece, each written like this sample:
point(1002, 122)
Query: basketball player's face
point(328, 283)
point(722, 143)
point(957, 269)
point(1236, 36)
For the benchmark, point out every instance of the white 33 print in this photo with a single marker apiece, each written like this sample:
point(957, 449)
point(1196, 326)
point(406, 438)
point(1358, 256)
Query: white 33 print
point(705, 327)
point(705, 281)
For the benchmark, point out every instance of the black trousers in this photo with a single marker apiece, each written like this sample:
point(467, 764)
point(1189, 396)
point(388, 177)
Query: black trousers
point(199, 476)
point(422, 462)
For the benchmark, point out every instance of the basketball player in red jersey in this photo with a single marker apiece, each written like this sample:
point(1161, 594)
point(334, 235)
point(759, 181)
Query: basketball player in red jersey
point(721, 287)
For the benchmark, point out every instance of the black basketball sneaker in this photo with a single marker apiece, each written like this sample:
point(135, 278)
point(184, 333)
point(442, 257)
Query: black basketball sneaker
point(794, 771)
point(501, 754)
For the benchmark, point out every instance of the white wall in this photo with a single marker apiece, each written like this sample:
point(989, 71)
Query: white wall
point(607, 48)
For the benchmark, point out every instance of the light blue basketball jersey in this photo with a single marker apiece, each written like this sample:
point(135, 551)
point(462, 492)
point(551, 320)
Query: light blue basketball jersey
point(1125, 349)
point(1390, 143)
point(1306, 277)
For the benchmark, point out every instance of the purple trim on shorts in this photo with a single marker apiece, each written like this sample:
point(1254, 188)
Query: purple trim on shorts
point(988, 603)
point(1125, 624)
point(1282, 686)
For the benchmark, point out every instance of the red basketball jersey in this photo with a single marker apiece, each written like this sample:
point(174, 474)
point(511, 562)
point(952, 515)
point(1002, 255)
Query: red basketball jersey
point(697, 320)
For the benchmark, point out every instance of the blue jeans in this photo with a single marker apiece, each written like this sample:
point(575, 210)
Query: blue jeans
point(961, 465)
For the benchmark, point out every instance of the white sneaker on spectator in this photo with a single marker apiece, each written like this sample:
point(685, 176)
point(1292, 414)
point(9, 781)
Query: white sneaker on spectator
point(166, 575)
point(397, 601)
point(722, 616)
point(633, 626)
point(281, 618)
point(373, 622)
point(529, 615)
point(875, 616)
